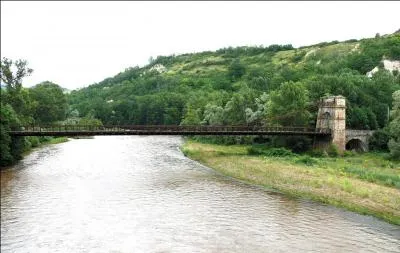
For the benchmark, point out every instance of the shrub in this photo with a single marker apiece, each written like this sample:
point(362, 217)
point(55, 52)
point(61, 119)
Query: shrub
point(27, 145)
point(262, 150)
point(318, 153)
point(347, 153)
point(44, 138)
point(333, 150)
point(307, 160)
point(394, 149)
point(297, 144)
point(224, 140)
point(379, 140)
point(253, 150)
point(34, 141)
point(374, 176)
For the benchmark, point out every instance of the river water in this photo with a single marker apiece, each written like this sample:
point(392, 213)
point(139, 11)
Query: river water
point(140, 194)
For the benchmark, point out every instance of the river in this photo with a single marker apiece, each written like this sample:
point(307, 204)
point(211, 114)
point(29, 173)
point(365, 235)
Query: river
point(141, 194)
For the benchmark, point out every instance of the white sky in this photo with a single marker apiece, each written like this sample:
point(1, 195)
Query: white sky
point(75, 44)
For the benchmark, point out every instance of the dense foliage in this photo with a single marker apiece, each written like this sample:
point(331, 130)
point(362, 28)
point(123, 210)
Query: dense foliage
point(394, 127)
point(275, 85)
point(44, 103)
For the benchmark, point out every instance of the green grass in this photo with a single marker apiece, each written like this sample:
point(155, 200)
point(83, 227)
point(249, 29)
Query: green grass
point(365, 183)
point(56, 140)
point(43, 141)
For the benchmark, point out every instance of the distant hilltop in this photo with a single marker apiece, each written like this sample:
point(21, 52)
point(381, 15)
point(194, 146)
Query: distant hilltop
point(234, 85)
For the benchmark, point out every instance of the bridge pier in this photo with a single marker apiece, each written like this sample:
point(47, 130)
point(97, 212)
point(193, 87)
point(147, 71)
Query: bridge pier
point(332, 115)
point(358, 139)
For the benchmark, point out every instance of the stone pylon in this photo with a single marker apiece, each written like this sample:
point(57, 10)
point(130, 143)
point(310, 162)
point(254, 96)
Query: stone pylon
point(332, 115)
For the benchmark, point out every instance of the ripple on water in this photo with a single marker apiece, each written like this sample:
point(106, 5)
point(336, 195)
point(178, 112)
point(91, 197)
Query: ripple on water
point(140, 194)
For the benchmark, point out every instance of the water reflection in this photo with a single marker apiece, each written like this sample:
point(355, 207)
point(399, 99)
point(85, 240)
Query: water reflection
point(140, 194)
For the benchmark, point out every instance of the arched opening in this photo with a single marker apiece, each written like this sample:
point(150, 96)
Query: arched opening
point(327, 115)
point(356, 145)
point(326, 118)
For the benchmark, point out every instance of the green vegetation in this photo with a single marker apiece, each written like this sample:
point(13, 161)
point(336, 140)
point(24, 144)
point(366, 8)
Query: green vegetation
point(32, 142)
point(273, 85)
point(44, 103)
point(276, 85)
point(51, 103)
point(394, 127)
point(365, 183)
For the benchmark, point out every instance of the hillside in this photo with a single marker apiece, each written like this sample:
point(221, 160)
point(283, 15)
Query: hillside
point(277, 84)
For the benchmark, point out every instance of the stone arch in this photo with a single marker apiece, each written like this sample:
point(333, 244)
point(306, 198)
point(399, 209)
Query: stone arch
point(327, 120)
point(357, 145)
point(326, 115)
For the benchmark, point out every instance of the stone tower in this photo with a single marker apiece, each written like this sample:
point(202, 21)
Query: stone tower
point(332, 115)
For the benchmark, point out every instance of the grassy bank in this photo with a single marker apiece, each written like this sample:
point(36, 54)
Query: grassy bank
point(33, 142)
point(30, 143)
point(364, 183)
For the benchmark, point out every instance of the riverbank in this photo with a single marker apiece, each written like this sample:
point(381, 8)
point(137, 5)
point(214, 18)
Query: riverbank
point(364, 183)
point(34, 143)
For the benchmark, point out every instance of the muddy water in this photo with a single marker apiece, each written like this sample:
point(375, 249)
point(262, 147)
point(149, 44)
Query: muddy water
point(140, 194)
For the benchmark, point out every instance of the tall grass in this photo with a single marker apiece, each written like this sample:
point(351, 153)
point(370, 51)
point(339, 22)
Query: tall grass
point(365, 183)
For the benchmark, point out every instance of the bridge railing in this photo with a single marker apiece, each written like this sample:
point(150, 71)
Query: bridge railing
point(168, 128)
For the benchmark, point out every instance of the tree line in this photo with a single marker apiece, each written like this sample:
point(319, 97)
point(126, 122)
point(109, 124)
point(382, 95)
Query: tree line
point(43, 103)
point(274, 85)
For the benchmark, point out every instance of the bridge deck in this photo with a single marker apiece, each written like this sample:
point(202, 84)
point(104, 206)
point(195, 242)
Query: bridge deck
point(79, 130)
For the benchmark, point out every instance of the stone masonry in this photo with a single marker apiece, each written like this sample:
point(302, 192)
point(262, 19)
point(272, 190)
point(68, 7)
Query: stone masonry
point(332, 115)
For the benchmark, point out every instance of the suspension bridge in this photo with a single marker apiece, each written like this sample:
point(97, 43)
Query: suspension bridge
point(91, 130)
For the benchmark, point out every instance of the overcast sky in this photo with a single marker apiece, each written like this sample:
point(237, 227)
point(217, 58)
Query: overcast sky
point(75, 44)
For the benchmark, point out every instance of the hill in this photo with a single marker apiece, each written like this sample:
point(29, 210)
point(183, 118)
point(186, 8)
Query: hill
point(276, 84)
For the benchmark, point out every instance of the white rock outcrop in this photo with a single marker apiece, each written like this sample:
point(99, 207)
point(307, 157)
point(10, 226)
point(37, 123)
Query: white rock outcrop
point(388, 65)
point(159, 68)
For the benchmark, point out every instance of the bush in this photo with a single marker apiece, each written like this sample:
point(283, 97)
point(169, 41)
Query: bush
point(379, 140)
point(318, 153)
point(45, 138)
point(374, 176)
point(10, 147)
point(34, 141)
point(333, 150)
point(298, 56)
point(262, 150)
point(394, 149)
point(297, 144)
point(27, 145)
point(307, 160)
point(224, 140)
point(347, 153)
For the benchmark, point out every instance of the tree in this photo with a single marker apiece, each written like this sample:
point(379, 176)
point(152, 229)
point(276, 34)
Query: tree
point(236, 70)
point(394, 142)
point(51, 102)
point(8, 120)
point(191, 116)
point(258, 116)
point(235, 110)
point(15, 105)
point(287, 106)
point(395, 113)
point(213, 115)
point(394, 127)
point(13, 82)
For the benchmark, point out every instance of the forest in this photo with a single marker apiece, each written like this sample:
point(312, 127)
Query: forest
point(263, 85)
